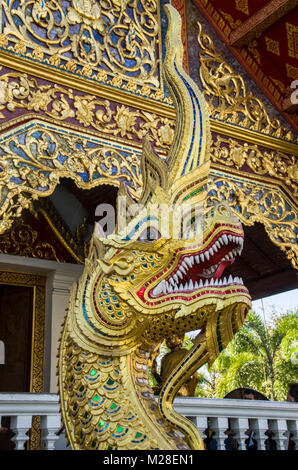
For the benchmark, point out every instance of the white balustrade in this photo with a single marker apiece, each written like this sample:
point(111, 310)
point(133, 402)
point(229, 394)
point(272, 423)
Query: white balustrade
point(242, 416)
point(21, 407)
point(279, 420)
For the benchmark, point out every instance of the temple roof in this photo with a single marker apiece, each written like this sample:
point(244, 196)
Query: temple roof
point(263, 36)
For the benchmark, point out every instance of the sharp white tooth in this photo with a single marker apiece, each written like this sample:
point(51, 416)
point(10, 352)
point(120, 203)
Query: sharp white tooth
point(196, 285)
point(211, 251)
point(211, 283)
point(188, 261)
point(184, 265)
point(234, 239)
point(180, 287)
point(215, 248)
point(241, 281)
point(176, 278)
point(207, 255)
point(170, 289)
point(201, 284)
point(202, 257)
point(230, 280)
point(175, 288)
point(236, 280)
point(192, 259)
point(220, 282)
point(190, 285)
point(225, 239)
point(185, 287)
point(160, 288)
point(225, 281)
point(206, 283)
point(240, 241)
point(197, 258)
point(171, 280)
point(216, 282)
point(217, 243)
point(167, 287)
point(182, 269)
point(221, 241)
point(230, 237)
point(180, 274)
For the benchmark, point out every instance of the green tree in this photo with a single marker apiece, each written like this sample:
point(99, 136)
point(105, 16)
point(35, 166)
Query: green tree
point(264, 358)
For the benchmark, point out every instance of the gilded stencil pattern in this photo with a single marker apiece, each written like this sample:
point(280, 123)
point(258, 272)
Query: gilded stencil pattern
point(33, 161)
point(252, 203)
point(87, 37)
point(272, 46)
point(22, 240)
point(262, 162)
point(242, 5)
point(292, 36)
point(227, 95)
point(22, 92)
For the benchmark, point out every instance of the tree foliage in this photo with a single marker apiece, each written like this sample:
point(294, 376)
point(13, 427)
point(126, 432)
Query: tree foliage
point(261, 357)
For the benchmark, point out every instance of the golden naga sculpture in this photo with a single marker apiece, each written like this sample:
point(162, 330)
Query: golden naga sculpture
point(144, 283)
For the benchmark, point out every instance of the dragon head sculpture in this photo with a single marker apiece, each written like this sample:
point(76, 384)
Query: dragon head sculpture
point(160, 273)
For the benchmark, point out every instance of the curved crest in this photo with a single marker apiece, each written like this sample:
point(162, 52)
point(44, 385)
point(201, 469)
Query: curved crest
point(186, 167)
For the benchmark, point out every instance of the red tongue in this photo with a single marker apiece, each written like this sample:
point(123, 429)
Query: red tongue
point(222, 267)
point(194, 275)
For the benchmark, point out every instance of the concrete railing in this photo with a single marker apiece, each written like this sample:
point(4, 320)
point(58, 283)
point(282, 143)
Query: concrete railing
point(267, 424)
point(21, 407)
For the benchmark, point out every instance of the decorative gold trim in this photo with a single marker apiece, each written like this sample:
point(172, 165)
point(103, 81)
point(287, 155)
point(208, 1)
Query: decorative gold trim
point(253, 202)
point(237, 155)
point(228, 97)
point(254, 137)
point(84, 84)
point(101, 164)
point(76, 256)
point(145, 104)
point(38, 284)
point(86, 38)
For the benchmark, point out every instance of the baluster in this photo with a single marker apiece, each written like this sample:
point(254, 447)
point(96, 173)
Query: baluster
point(293, 429)
point(201, 423)
point(20, 425)
point(219, 426)
point(49, 426)
point(260, 426)
point(239, 426)
point(279, 428)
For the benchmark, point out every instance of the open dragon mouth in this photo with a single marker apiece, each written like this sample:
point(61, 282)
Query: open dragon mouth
point(199, 269)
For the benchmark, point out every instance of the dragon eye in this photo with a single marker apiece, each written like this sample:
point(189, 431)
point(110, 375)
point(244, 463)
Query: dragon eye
point(150, 234)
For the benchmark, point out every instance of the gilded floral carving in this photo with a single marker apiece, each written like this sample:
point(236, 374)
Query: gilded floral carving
point(87, 36)
point(276, 164)
point(23, 92)
point(33, 161)
point(228, 97)
point(254, 203)
point(22, 240)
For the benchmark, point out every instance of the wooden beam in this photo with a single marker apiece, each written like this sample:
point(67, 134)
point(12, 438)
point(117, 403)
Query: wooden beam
point(289, 107)
point(254, 26)
point(272, 284)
